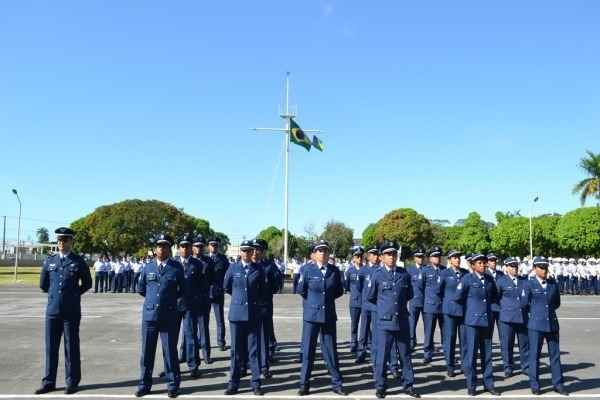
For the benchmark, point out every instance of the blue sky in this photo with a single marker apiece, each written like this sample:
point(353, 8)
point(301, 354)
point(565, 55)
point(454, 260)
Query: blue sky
point(445, 107)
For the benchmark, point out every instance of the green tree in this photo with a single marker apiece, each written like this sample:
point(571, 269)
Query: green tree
point(368, 235)
point(474, 235)
point(452, 236)
point(545, 240)
point(590, 186)
point(274, 238)
point(129, 226)
point(578, 232)
point(510, 237)
point(339, 237)
point(42, 235)
point(405, 226)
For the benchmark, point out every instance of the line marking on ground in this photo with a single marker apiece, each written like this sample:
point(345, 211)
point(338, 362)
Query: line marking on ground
point(292, 397)
point(41, 316)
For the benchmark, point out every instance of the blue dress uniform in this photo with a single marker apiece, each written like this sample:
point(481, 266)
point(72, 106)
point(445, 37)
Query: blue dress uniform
point(477, 293)
point(319, 287)
point(244, 283)
point(513, 320)
point(367, 338)
point(453, 315)
point(353, 284)
point(416, 303)
point(198, 279)
point(542, 299)
point(65, 279)
point(495, 274)
point(162, 284)
point(221, 264)
point(391, 290)
point(432, 305)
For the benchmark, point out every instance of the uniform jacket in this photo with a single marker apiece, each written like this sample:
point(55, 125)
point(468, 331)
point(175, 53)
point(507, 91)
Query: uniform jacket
point(391, 292)
point(366, 273)
point(416, 276)
point(448, 284)
point(319, 293)
point(432, 279)
point(541, 304)
point(199, 277)
point(272, 284)
point(353, 284)
point(477, 298)
point(65, 281)
point(509, 296)
point(245, 290)
point(495, 305)
point(221, 264)
point(163, 291)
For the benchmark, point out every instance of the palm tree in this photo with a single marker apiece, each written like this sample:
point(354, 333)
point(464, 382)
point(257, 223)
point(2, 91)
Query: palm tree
point(589, 187)
point(42, 235)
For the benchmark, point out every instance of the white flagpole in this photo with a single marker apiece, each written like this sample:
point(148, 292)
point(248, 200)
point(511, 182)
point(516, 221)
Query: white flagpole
point(287, 161)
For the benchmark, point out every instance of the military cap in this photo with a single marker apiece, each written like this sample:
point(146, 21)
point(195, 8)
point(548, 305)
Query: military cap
point(214, 240)
point(311, 247)
point(164, 239)
point(468, 256)
point(592, 261)
point(199, 241)
point(492, 257)
point(373, 249)
point(388, 247)
point(540, 261)
point(478, 257)
point(581, 261)
point(64, 232)
point(571, 260)
point(187, 238)
point(321, 244)
point(435, 251)
point(246, 245)
point(419, 252)
point(260, 244)
point(357, 250)
point(511, 262)
point(454, 253)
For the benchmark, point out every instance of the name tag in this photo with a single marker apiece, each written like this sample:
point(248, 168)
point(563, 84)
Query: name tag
point(152, 276)
point(237, 275)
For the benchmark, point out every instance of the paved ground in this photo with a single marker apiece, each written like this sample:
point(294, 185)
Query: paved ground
point(110, 339)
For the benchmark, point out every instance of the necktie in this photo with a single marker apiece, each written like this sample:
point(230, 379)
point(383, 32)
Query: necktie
point(323, 270)
point(515, 281)
point(160, 268)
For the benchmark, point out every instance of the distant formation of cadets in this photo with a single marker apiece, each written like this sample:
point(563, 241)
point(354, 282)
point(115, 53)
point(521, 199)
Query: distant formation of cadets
point(385, 304)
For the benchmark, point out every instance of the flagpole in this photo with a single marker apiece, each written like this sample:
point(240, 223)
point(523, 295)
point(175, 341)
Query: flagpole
point(287, 161)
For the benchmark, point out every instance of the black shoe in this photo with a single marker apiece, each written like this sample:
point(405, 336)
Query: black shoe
point(397, 375)
point(353, 349)
point(258, 392)
point(142, 392)
point(303, 391)
point(360, 359)
point(181, 360)
point(267, 374)
point(561, 390)
point(339, 391)
point(195, 373)
point(380, 393)
point(508, 373)
point(450, 373)
point(472, 392)
point(172, 393)
point(162, 374)
point(493, 391)
point(71, 389)
point(427, 361)
point(536, 392)
point(223, 347)
point(244, 373)
point(208, 361)
point(412, 392)
point(230, 391)
point(45, 389)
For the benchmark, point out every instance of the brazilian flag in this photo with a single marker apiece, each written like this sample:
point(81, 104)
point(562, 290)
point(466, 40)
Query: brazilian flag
point(298, 136)
point(318, 143)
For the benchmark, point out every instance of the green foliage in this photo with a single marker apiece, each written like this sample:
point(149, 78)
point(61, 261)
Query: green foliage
point(129, 226)
point(339, 237)
point(368, 236)
point(545, 240)
point(43, 235)
point(474, 235)
point(589, 187)
point(578, 232)
point(274, 238)
point(511, 236)
point(452, 236)
point(405, 226)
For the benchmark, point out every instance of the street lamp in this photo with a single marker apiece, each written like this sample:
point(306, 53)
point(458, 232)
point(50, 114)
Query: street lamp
point(18, 234)
point(531, 229)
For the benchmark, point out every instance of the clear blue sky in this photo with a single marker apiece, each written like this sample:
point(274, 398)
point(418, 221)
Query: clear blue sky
point(446, 107)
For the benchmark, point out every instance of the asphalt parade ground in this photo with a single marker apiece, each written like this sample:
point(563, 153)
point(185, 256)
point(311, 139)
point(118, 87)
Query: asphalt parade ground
point(110, 349)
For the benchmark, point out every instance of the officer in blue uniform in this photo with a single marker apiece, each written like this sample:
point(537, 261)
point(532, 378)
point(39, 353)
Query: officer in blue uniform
point(390, 289)
point(265, 301)
point(416, 303)
point(244, 281)
point(477, 291)
point(353, 284)
point(311, 256)
point(198, 278)
point(495, 273)
point(162, 284)
point(453, 312)
point(319, 285)
point(367, 338)
point(218, 296)
point(541, 297)
point(65, 277)
point(203, 321)
point(513, 318)
point(432, 303)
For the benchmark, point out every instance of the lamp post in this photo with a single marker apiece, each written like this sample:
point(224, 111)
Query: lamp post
point(18, 234)
point(531, 228)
